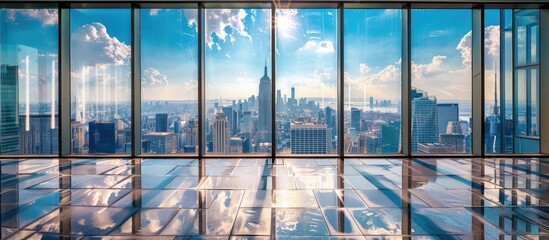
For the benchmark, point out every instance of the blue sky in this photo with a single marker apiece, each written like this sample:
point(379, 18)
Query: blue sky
point(238, 42)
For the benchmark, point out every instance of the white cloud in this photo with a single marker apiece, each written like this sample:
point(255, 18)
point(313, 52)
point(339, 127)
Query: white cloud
point(318, 47)
point(420, 70)
point(326, 76)
point(219, 19)
point(491, 44)
point(464, 47)
point(46, 16)
point(92, 43)
point(154, 11)
point(363, 68)
point(152, 78)
point(491, 40)
point(389, 74)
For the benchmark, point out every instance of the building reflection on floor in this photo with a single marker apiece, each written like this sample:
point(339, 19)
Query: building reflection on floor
point(458, 198)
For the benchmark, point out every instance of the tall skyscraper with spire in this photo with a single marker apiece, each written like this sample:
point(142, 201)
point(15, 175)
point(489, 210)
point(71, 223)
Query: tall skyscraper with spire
point(264, 104)
point(492, 132)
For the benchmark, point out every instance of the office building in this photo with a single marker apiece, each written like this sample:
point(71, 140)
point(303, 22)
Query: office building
point(102, 137)
point(221, 133)
point(309, 138)
point(424, 119)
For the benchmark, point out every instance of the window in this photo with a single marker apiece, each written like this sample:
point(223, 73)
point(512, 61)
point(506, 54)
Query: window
point(169, 86)
point(28, 73)
point(372, 81)
point(441, 80)
point(100, 81)
point(238, 81)
point(307, 79)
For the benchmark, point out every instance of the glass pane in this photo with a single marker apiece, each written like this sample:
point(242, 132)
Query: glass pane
point(507, 78)
point(238, 81)
point(534, 88)
point(492, 94)
point(100, 81)
point(28, 76)
point(372, 80)
point(306, 122)
point(522, 104)
point(441, 81)
point(169, 86)
point(526, 28)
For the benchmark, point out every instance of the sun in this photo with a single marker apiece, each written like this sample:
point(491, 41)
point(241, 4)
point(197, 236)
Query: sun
point(285, 22)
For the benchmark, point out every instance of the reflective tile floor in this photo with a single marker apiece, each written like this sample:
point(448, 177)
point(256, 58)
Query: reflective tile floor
point(462, 198)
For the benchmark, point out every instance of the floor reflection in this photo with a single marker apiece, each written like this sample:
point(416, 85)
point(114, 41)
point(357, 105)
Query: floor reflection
point(458, 198)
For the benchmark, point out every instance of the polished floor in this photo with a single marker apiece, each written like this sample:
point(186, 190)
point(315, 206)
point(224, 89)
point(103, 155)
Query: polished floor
point(458, 198)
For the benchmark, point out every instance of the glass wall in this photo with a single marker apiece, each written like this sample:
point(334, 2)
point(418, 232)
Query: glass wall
point(28, 73)
point(242, 100)
point(169, 81)
point(512, 81)
point(307, 79)
point(100, 51)
point(373, 40)
point(441, 80)
point(238, 81)
point(526, 68)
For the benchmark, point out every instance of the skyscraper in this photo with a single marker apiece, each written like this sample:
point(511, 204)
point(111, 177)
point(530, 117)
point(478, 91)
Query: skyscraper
point(264, 99)
point(161, 122)
point(40, 138)
point(390, 137)
point(279, 101)
point(102, 137)
point(454, 137)
point(309, 138)
point(446, 112)
point(9, 107)
point(424, 119)
point(161, 142)
point(221, 133)
point(356, 118)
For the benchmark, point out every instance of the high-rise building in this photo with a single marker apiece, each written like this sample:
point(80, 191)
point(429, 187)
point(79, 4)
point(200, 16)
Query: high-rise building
point(9, 108)
point(356, 118)
point(221, 133)
point(236, 144)
point(161, 142)
point(309, 138)
point(102, 137)
point(78, 138)
point(492, 124)
point(362, 143)
point(424, 119)
point(373, 144)
point(435, 148)
point(454, 137)
point(161, 122)
point(40, 137)
point(390, 137)
point(446, 112)
point(279, 101)
point(371, 103)
point(189, 136)
point(265, 115)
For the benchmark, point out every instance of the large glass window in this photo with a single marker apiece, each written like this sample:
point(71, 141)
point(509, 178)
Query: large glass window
point(306, 119)
point(372, 81)
point(28, 81)
point(238, 81)
point(169, 86)
point(441, 80)
point(526, 65)
point(100, 81)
